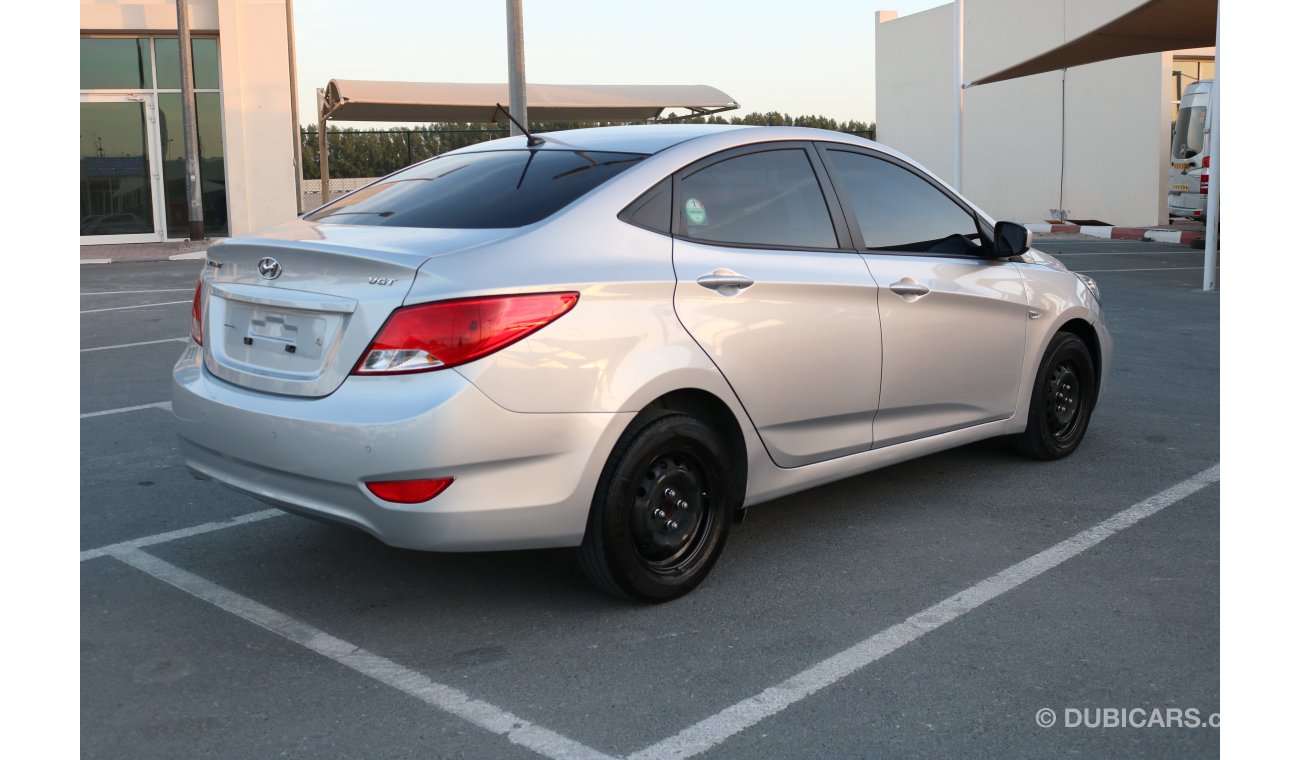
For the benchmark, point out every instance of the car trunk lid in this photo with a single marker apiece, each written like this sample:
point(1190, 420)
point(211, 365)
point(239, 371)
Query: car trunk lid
point(291, 311)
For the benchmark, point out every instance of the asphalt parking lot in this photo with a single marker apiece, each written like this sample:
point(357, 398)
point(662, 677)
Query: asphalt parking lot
point(937, 607)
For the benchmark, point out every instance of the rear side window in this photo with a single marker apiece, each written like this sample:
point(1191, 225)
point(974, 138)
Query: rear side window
point(653, 210)
point(769, 199)
point(1189, 132)
point(899, 211)
point(478, 190)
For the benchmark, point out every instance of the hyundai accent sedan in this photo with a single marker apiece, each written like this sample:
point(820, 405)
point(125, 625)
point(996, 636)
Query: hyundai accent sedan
point(619, 339)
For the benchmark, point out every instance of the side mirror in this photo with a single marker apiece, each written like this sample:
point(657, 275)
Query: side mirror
point(1011, 239)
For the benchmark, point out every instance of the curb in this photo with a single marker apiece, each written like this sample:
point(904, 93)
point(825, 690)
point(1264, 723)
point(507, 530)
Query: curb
point(191, 256)
point(1153, 234)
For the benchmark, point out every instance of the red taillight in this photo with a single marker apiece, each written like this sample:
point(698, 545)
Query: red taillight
point(196, 314)
point(447, 333)
point(1205, 175)
point(409, 491)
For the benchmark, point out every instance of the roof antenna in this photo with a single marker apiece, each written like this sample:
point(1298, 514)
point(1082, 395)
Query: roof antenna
point(533, 140)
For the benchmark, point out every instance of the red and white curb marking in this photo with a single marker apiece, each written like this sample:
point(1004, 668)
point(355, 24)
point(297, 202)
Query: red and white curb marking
point(1156, 235)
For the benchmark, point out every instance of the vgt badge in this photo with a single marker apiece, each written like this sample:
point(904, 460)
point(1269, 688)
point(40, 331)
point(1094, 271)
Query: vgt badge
point(269, 268)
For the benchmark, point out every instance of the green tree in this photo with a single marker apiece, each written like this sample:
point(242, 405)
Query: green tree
point(377, 152)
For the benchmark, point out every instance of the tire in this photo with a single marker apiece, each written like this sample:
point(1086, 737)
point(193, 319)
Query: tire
point(1065, 392)
point(641, 543)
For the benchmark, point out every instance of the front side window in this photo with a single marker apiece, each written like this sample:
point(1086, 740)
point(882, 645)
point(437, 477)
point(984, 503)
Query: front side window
point(769, 199)
point(497, 189)
point(899, 211)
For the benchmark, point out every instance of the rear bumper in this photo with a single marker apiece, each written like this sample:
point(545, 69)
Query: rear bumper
point(521, 480)
point(1189, 212)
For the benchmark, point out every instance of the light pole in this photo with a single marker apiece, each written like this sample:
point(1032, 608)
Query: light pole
point(515, 54)
point(189, 122)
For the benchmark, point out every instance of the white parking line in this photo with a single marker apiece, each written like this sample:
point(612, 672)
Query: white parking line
point(713, 730)
point(174, 535)
point(693, 740)
point(541, 740)
point(167, 405)
point(133, 345)
point(127, 292)
point(137, 306)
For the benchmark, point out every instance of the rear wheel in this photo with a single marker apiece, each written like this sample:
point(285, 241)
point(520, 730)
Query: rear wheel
point(659, 517)
point(1065, 390)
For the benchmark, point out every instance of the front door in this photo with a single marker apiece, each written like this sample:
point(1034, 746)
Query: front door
point(952, 317)
point(785, 312)
point(120, 185)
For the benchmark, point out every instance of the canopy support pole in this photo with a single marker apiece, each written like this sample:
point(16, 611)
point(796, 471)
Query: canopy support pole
point(323, 147)
point(958, 66)
point(1210, 280)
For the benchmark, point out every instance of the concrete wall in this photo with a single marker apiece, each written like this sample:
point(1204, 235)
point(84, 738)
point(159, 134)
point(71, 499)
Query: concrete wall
point(259, 132)
point(1093, 140)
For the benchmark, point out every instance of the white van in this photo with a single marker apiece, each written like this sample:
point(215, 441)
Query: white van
point(1189, 155)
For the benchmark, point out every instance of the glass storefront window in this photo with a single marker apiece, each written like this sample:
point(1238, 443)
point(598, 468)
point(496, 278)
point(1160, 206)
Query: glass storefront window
point(206, 72)
point(109, 63)
point(116, 187)
point(212, 164)
point(133, 153)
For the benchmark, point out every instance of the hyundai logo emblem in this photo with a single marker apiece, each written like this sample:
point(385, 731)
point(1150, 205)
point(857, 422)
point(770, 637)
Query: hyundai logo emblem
point(269, 268)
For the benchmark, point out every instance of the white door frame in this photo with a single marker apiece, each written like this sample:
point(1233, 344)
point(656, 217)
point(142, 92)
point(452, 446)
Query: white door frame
point(154, 156)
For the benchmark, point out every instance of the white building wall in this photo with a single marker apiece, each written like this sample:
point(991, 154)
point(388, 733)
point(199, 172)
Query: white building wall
point(1093, 140)
point(259, 133)
point(259, 124)
point(915, 116)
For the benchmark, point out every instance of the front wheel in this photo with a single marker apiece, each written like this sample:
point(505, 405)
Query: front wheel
point(1065, 390)
point(659, 518)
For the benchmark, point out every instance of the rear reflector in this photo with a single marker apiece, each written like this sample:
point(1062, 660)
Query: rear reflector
point(449, 333)
point(409, 491)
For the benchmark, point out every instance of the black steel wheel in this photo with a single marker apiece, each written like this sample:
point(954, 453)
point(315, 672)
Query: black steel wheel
point(659, 516)
point(1065, 390)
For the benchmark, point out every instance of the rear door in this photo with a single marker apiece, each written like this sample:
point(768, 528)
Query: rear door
point(769, 286)
point(953, 319)
point(1188, 153)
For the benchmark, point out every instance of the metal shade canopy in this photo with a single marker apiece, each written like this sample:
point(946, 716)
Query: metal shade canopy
point(1152, 27)
point(363, 100)
point(359, 100)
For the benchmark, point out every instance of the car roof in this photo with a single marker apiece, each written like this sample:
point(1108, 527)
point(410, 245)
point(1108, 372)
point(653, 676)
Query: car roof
point(635, 138)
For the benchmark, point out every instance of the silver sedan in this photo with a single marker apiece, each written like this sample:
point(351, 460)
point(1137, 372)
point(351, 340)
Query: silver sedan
point(619, 339)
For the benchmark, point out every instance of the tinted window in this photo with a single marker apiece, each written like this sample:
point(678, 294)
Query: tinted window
point(899, 211)
point(478, 190)
point(770, 199)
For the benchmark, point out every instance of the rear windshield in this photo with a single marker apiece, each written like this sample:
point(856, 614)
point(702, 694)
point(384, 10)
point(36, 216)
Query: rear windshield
point(478, 190)
point(1189, 132)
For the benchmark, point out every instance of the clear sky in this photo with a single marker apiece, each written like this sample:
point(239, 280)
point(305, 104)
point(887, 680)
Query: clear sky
point(809, 57)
